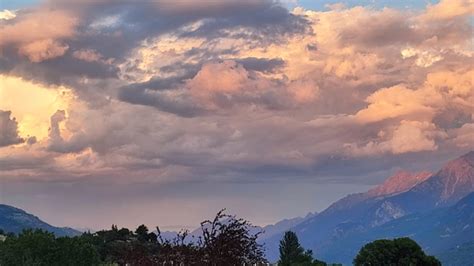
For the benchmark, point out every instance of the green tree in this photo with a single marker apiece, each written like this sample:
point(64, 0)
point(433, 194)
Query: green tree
point(293, 254)
point(399, 251)
point(142, 233)
point(37, 247)
point(290, 249)
point(76, 251)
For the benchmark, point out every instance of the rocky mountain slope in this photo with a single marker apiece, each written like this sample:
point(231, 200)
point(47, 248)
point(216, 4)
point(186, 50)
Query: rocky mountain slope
point(401, 195)
point(438, 231)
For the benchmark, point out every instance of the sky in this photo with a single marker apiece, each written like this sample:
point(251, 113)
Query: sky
point(165, 112)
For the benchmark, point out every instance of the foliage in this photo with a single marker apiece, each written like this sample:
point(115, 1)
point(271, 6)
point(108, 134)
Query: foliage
point(226, 240)
point(399, 251)
point(293, 254)
point(37, 247)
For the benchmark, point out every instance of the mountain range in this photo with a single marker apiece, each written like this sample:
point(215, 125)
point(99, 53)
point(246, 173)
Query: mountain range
point(435, 209)
point(337, 233)
point(14, 220)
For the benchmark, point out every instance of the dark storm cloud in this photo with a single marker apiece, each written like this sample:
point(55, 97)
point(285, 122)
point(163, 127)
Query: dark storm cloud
point(137, 20)
point(273, 21)
point(153, 93)
point(114, 28)
point(63, 70)
point(261, 64)
point(160, 84)
point(8, 129)
point(180, 105)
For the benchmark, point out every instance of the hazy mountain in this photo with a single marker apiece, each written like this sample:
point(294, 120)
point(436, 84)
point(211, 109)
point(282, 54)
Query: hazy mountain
point(267, 231)
point(439, 231)
point(14, 220)
point(283, 225)
point(400, 195)
point(350, 213)
point(458, 256)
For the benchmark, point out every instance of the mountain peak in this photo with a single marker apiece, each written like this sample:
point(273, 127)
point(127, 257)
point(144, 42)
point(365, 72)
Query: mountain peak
point(457, 177)
point(399, 182)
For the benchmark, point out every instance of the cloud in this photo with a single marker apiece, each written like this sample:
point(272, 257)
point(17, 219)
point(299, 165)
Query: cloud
point(32, 104)
point(7, 14)
point(241, 91)
point(54, 131)
point(413, 136)
point(232, 78)
point(261, 64)
point(439, 90)
point(88, 55)
point(408, 136)
point(464, 136)
point(8, 130)
point(37, 34)
point(43, 50)
point(448, 9)
point(395, 102)
point(377, 28)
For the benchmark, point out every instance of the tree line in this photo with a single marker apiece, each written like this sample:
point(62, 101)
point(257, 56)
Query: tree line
point(224, 240)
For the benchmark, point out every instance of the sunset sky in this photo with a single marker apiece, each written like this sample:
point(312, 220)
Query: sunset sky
point(164, 112)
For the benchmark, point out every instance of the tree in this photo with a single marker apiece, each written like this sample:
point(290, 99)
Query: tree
point(293, 254)
point(37, 247)
point(399, 251)
point(76, 251)
point(290, 249)
point(227, 240)
point(142, 233)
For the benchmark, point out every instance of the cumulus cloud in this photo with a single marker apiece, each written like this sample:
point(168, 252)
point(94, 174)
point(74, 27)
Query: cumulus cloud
point(191, 92)
point(43, 50)
point(7, 14)
point(54, 131)
point(464, 136)
point(439, 90)
point(408, 136)
point(232, 77)
point(88, 55)
point(448, 9)
point(37, 34)
point(8, 130)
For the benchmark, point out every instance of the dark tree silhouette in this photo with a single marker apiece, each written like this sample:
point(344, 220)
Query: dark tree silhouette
point(399, 251)
point(290, 249)
point(227, 240)
point(293, 254)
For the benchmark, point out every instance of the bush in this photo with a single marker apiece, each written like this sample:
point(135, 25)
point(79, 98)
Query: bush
point(399, 251)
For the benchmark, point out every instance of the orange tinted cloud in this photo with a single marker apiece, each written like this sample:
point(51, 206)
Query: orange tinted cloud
point(38, 34)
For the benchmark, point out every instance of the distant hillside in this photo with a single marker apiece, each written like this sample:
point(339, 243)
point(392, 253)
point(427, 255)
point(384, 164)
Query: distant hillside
point(283, 225)
point(14, 220)
point(439, 231)
point(401, 195)
point(458, 256)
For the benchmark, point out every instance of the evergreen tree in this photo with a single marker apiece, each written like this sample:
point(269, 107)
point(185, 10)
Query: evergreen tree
point(290, 249)
point(293, 254)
